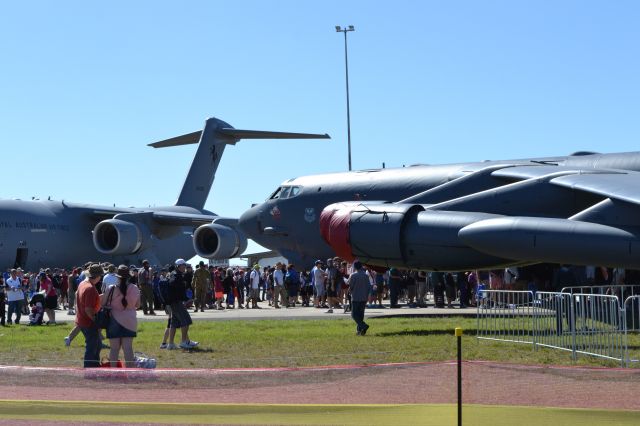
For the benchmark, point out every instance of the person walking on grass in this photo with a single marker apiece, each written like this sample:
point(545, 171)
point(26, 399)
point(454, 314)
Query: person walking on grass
point(359, 287)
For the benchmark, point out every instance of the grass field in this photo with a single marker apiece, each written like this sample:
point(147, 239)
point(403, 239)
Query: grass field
point(291, 343)
point(365, 415)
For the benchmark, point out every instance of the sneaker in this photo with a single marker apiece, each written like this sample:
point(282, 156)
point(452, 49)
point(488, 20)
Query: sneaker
point(187, 345)
point(364, 330)
point(67, 341)
point(192, 343)
point(163, 346)
point(172, 346)
point(329, 311)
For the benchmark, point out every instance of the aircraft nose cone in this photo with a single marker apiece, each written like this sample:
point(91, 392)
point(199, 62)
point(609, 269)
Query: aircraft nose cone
point(249, 223)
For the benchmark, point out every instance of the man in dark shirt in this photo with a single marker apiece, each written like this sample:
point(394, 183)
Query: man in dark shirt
point(359, 287)
point(179, 314)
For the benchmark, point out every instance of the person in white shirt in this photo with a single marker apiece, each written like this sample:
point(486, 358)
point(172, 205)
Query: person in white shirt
point(279, 290)
point(15, 296)
point(255, 286)
point(110, 278)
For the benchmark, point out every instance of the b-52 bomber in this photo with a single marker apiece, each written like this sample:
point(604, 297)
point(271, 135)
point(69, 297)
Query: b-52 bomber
point(581, 209)
point(38, 233)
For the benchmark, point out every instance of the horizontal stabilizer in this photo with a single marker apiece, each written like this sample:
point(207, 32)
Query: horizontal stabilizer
point(236, 134)
point(258, 134)
point(187, 139)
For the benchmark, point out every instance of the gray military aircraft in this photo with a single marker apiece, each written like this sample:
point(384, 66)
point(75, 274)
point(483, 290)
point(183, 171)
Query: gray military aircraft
point(581, 209)
point(38, 233)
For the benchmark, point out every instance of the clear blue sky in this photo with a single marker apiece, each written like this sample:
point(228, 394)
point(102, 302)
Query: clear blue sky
point(84, 86)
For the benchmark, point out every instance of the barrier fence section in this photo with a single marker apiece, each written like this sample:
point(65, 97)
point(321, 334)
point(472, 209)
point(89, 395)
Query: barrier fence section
point(583, 323)
point(623, 292)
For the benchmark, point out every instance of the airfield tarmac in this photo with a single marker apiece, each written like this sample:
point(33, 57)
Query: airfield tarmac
point(268, 312)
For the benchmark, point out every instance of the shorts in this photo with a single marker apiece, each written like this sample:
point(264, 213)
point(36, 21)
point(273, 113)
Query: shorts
point(115, 330)
point(167, 310)
point(320, 291)
point(50, 302)
point(293, 291)
point(179, 315)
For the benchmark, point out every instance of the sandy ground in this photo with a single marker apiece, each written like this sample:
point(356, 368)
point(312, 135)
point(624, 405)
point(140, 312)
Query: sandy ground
point(483, 383)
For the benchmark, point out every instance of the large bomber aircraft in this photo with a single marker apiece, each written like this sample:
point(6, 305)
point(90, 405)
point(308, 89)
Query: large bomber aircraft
point(37, 233)
point(581, 209)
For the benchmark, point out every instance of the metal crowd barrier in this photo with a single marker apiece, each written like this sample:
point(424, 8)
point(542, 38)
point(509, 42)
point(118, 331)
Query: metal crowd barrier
point(589, 324)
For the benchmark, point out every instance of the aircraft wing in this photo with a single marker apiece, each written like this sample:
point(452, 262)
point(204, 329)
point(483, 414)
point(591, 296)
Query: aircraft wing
point(619, 186)
point(182, 219)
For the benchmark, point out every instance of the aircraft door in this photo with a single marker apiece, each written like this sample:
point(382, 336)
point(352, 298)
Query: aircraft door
point(21, 257)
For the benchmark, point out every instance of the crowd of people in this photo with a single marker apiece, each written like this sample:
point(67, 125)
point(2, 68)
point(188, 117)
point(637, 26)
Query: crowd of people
point(180, 290)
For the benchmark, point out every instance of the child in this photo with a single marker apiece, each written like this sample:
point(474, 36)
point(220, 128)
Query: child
point(37, 309)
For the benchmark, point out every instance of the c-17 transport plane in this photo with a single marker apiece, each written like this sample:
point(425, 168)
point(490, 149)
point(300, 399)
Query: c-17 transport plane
point(581, 209)
point(38, 233)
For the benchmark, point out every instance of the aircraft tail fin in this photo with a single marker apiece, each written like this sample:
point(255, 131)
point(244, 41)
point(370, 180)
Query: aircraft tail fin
point(212, 141)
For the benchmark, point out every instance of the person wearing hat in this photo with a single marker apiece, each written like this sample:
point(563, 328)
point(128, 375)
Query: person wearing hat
point(88, 304)
point(179, 314)
point(109, 278)
point(124, 299)
point(200, 282)
point(359, 287)
point(145, 283)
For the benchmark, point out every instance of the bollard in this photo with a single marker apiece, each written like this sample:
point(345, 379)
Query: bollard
point(458, 334)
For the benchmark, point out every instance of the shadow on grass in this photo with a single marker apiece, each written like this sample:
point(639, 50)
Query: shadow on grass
point(469, 332)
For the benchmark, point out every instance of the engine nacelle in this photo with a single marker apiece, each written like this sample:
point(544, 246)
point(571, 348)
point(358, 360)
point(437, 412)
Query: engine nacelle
point(215, 241)
point(117, 237)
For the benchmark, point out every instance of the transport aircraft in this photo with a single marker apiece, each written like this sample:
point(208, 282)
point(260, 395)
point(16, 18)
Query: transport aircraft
point(38, 233)
point(581, 209)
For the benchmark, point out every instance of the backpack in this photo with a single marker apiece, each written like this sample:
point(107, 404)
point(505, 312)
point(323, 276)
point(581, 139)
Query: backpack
point(55, 280)
point(163, 291)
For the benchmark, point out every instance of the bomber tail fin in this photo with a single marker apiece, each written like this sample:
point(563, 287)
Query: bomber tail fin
point(212, 141)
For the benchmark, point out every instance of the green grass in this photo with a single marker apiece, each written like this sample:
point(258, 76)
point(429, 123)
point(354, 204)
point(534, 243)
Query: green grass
point(292, 343)
point(265, 414)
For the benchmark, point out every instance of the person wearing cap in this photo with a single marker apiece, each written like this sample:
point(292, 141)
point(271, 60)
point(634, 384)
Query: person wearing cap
point(179, 314)
point(201, 280)
point(87, 305)
point(145, 283)
point(123, 325)
point(109, 278)
point(359, 287)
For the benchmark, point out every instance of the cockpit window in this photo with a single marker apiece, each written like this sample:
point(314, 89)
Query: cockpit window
point(285, 192)
point(276, 194)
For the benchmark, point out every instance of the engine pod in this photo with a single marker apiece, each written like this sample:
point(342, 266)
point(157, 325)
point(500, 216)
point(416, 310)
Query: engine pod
point(117, 237)
point(215, 241)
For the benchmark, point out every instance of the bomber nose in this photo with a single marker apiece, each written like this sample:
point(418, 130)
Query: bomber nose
point(249, 222)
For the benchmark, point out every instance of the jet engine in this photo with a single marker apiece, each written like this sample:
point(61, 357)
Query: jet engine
point(216, 241)
point(117, 237)
point(404, 235)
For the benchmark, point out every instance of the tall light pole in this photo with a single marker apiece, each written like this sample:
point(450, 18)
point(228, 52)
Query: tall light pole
point(346, 69)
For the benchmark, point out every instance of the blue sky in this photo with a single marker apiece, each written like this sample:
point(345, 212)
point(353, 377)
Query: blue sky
point(84, 86)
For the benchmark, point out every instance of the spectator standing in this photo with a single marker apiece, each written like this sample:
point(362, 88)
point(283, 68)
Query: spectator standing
point(109, 279)
point(145, 283)
point(279, 290)
point(72, 284)
point(179, 314)
point(359, 288)
point(88, 304)
point(201, 280)
point(50, 297)
point(15, 296)
point(123, 326)
point(395, 279)
point(318, 278)
point(292, 283)
point(254, 282)
point(3, 300)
